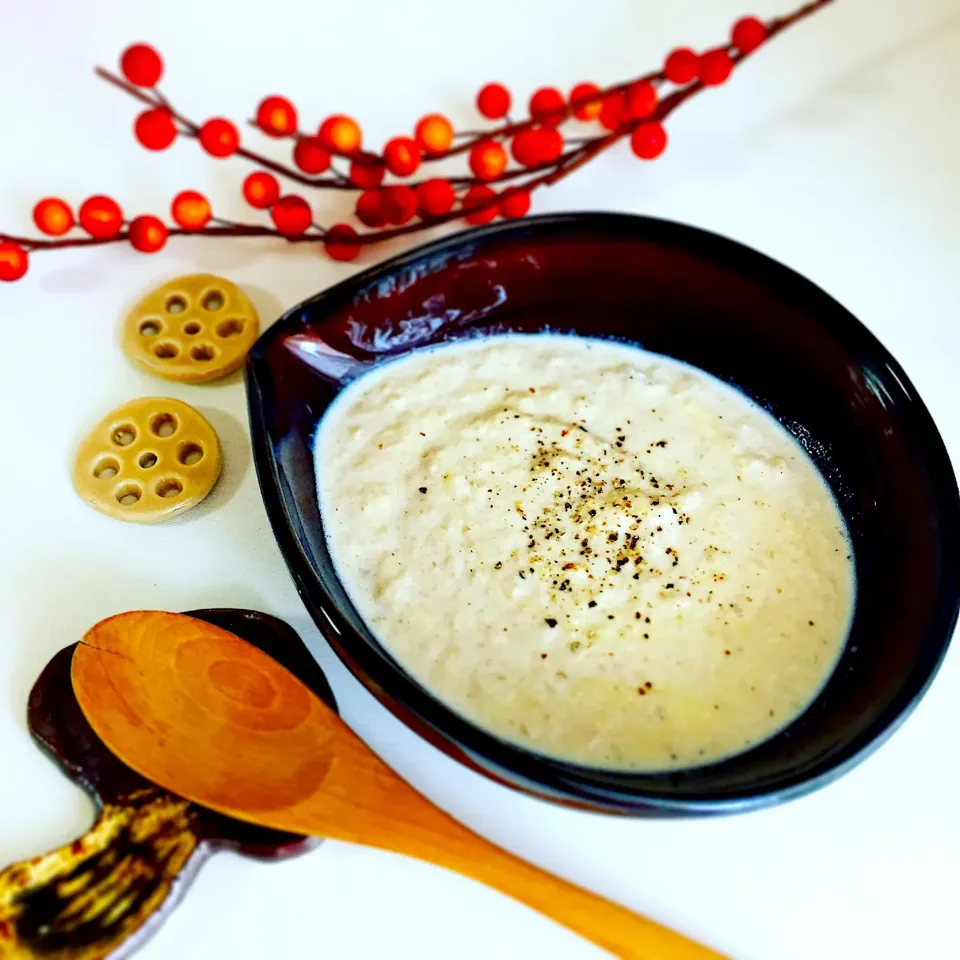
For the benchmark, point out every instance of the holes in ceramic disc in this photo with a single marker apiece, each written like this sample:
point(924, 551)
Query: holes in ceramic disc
point(106, 468)
point(149, 328)
point(202, 352)
point(147, 459)
point(164, 424)
point(166, 351)
point(169, 487)
point(128, 494)
point(214, 300)
point(189, 454)
point(230, 328)
point(176, 303)
point(124, 435)
point(192, 328)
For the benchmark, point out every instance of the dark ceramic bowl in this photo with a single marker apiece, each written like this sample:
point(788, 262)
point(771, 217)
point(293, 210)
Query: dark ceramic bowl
point(706, 300)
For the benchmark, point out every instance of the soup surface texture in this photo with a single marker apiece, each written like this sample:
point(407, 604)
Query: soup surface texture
point(597, 552)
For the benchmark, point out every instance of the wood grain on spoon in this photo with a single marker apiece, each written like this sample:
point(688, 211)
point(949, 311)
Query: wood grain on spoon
point(212, 718)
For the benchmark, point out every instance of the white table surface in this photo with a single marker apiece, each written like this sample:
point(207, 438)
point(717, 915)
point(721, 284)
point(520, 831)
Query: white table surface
point(836, 150)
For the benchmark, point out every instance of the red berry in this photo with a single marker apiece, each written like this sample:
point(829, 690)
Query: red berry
point(366, 175)
point(493, 101)
point(191, 210)
point(401, 156)
point(13, 261)
point(141, 65)
point(337, 242)
point(53, 217)
point(277, 117)
point(536, 146)
point(551, 145)
point(525, 147)
point(748, 33)
point(101, 217)
point(147, 234)
point(715, 67)
point(584, 101)
point(434, 133)
point(488, 160)
point(640, 99)
point(340, 134)
point(155, 129)
point(480, 204)
point(399, 204)
point(435, 197)
point(649, 140)
point(310, 156)
point(261, 190)
point(515, 203)
point(613, 111)
point(291, 215)
point(219, 137)
point(681, 66)
point(369, 208)
point(548, 106)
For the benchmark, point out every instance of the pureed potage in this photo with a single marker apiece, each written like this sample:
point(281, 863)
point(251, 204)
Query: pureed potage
point(600, 553)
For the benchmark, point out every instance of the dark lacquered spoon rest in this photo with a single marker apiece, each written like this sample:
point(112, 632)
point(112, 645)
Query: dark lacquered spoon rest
point(106, 893)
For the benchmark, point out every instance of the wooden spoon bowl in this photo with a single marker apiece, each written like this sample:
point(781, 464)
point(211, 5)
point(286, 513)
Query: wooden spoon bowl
point(196, 709)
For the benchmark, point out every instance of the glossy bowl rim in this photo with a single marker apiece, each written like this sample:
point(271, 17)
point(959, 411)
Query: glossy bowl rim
point(513, 764)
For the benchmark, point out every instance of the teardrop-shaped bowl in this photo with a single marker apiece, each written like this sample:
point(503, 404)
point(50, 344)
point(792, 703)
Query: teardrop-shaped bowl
point(716, 304)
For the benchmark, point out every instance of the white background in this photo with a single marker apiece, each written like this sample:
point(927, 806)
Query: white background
point(836, 150)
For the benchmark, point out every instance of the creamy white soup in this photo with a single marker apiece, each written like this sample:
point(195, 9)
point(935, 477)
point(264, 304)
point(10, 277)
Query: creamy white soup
point(599, 553)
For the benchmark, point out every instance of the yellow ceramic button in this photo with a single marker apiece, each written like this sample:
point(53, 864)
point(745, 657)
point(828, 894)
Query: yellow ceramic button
point(148, 460)
point(192, 329)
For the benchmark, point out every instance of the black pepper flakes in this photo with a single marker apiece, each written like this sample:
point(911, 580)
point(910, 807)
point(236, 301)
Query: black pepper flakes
point(550, 622)
point(423, 489)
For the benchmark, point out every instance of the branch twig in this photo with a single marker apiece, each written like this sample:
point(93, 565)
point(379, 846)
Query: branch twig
point(582, 151)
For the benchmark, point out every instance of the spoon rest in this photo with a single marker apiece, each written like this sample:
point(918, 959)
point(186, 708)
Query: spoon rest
point(107, 892)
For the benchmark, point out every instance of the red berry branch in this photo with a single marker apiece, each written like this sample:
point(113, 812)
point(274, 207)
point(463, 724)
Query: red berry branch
point(507, 162)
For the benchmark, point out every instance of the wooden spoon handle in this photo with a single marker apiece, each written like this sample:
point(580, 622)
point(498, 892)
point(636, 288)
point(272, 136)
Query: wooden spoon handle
point(607, 924)
point(392, 815)
point(364, 801)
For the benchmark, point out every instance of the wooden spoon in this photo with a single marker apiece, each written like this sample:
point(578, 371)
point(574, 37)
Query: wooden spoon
point(212, 718)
